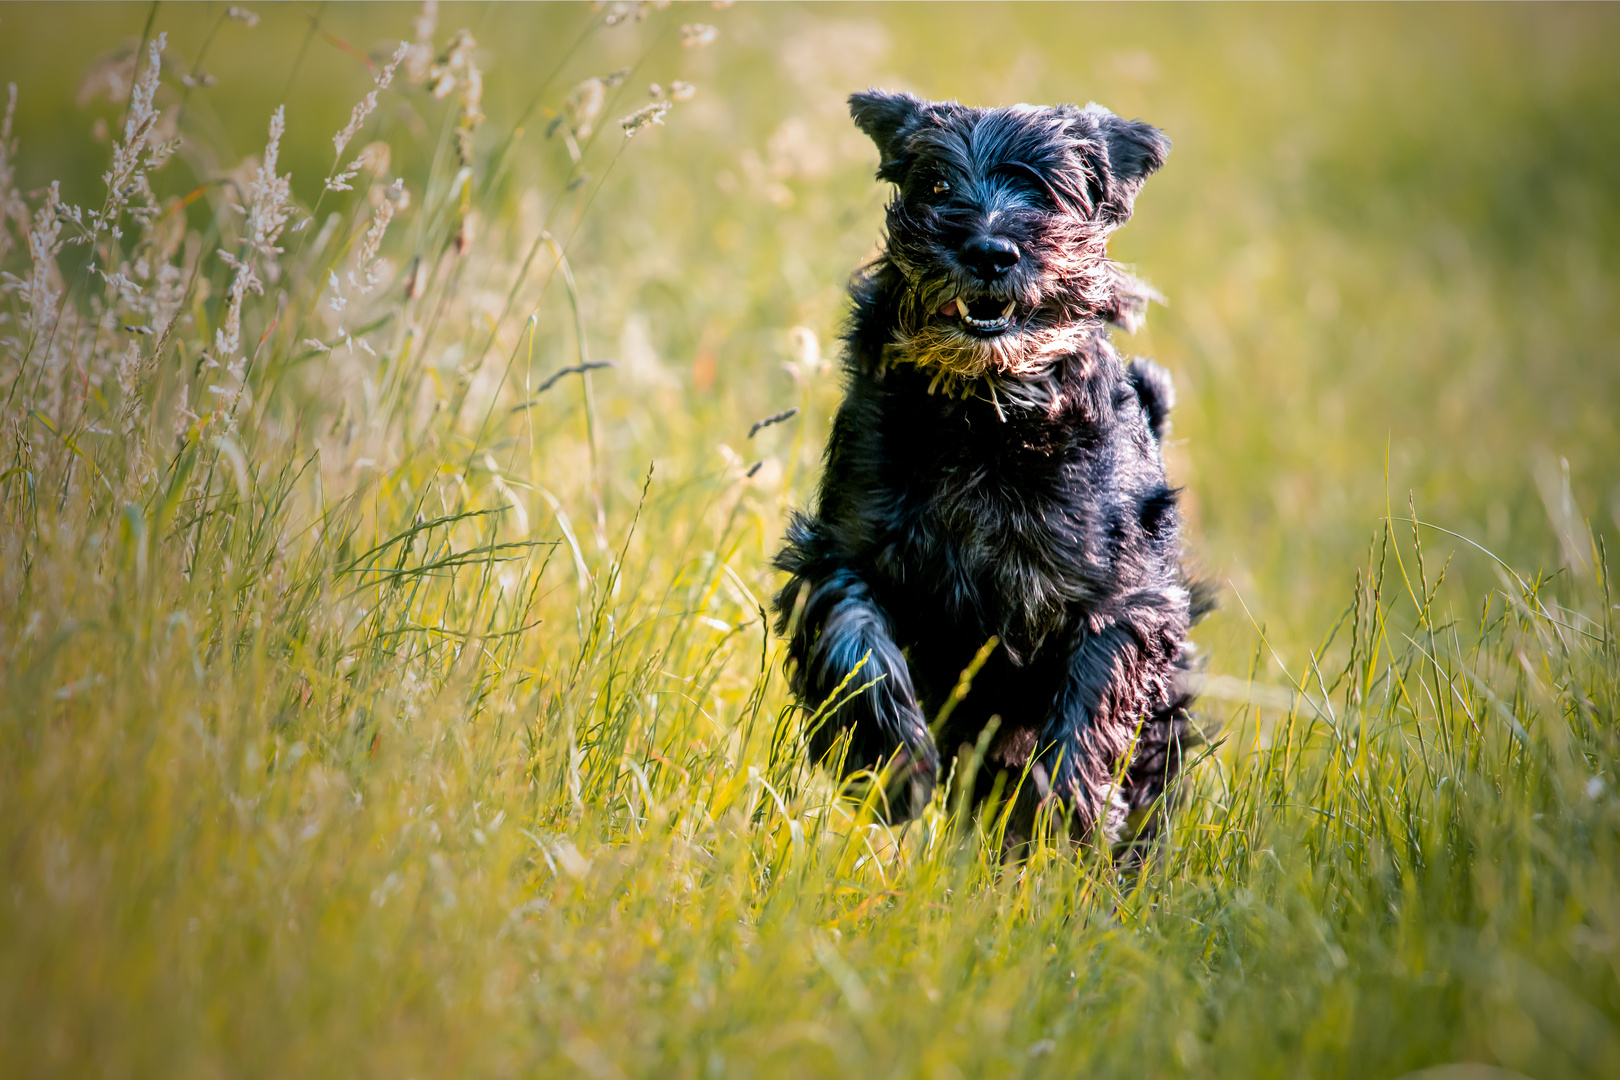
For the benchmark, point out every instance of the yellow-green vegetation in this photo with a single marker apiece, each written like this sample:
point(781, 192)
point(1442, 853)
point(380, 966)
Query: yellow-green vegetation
point(380, 697)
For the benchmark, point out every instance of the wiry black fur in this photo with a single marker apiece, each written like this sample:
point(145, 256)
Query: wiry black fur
point(1027, 500)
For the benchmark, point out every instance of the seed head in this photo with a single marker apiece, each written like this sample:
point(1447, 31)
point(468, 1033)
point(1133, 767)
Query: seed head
point(642, 117)
point(697, 35)
point(419, 60)
point(368, 104)
point(43, 244)
point(584, 104)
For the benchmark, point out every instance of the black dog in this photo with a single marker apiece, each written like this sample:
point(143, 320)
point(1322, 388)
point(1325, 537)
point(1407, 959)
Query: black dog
point(995, 470)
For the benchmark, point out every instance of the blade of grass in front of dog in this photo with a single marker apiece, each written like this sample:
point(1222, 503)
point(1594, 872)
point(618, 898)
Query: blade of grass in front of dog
point(964, 684)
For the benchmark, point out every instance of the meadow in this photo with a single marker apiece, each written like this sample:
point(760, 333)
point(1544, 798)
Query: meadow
point(385, 685)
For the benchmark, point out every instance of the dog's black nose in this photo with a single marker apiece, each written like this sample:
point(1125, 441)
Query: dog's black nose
point(989, 256)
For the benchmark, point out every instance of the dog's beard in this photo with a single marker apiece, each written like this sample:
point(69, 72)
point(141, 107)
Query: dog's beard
point(1020, 353)
point(1041, 333)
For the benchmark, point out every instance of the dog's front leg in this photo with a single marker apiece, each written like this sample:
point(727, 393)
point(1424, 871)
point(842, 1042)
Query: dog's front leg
point(848, 669)
point(1114, 677)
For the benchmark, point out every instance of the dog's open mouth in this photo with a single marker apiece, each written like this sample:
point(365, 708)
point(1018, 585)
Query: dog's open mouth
point(984, 315)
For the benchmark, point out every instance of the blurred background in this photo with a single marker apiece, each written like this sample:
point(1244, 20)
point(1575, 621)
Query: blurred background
point(1389, 236)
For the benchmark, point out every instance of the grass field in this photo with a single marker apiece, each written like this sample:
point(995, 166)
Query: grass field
point(383, 683)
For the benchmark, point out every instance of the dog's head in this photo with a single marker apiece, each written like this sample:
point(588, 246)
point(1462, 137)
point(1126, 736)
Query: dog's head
point(999, 225)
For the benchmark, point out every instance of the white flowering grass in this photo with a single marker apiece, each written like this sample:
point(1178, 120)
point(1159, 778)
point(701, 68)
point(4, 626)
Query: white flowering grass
point(368, 706)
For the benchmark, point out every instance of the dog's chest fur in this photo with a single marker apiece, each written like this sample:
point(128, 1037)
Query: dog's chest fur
point(970, 501)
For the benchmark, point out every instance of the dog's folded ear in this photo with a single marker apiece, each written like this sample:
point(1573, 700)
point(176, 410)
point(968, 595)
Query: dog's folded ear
point(888, 119)
point(1156, 391)
point(1132, 151)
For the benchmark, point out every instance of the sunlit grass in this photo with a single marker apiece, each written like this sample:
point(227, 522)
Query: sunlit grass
point(387, 689)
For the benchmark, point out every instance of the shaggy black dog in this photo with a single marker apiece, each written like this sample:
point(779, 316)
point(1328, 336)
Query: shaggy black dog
point(995, 470)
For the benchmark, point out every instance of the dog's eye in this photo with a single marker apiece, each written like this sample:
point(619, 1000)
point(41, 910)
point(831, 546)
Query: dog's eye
point(941, 187)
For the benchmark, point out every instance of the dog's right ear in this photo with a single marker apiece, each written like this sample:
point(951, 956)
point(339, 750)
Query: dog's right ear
point(888, 119)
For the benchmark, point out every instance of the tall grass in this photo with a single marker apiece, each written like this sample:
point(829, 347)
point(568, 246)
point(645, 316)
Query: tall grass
point(387, 689)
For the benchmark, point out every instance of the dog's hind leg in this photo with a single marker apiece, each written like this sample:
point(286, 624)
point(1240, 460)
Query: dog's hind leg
point(846, 667)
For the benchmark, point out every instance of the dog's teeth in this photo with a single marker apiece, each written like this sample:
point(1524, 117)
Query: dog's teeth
point(961, 309)
point(1008, 310)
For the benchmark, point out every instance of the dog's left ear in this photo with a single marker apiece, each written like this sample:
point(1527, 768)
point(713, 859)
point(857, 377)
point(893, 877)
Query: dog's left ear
point(1131, 152)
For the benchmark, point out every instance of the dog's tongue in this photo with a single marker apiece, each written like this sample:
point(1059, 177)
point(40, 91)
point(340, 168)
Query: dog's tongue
point(949, 307)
